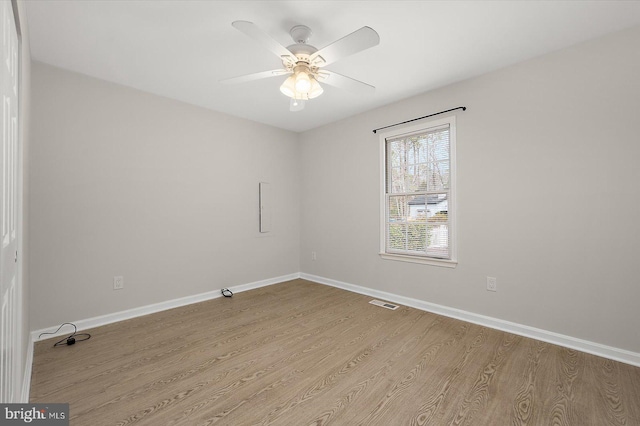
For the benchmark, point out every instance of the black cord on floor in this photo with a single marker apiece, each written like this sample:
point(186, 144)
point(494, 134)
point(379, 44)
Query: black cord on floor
point(226, 292)
point(70, 339)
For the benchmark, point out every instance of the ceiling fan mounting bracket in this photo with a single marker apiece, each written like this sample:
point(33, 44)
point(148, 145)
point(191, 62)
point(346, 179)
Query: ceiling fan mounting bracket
point(300, 33)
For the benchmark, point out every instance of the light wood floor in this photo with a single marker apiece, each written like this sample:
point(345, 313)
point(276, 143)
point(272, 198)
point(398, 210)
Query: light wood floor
point(300, 353)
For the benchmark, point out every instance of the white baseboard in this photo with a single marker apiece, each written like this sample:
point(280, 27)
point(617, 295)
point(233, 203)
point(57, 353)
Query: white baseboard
point(98, 321)
point(598, 349)
point(616, 354)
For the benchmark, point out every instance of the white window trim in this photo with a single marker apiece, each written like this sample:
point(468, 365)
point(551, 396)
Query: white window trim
point(453, 232)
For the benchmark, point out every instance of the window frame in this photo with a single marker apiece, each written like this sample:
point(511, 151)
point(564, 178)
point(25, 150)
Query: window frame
point(452, 202)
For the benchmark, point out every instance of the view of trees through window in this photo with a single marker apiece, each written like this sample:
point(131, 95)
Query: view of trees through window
point(418, 191)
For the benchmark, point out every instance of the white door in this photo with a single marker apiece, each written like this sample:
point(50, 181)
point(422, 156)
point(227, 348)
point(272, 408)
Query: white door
point(10, 360)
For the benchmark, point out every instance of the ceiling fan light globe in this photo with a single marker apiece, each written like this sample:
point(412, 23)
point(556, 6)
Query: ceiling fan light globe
point(303, 83)
point(288, 88)
point(316, 90)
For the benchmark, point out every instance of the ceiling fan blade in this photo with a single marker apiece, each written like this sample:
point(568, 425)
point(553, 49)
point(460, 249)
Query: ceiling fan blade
point(252, 30)
point(255, 76)
point(355, 42)
point(343, 82)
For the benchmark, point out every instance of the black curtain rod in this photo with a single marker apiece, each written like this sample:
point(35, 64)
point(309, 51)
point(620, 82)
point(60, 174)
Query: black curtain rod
point(420, 118)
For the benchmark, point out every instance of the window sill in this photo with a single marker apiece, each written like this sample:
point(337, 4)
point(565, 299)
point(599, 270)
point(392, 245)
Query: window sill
point(445, 263)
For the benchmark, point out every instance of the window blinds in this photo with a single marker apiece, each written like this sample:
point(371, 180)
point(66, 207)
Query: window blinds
point(418, 172)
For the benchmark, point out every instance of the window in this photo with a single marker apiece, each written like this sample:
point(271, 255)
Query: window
point(418, 194)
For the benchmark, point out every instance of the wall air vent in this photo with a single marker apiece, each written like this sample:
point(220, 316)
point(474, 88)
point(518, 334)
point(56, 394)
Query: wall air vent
point(384, 304)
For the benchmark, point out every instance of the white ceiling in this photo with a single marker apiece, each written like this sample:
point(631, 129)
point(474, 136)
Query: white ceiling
point(181, 49)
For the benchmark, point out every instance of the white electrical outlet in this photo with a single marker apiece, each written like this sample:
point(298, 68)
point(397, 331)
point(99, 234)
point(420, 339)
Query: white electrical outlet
point(492, 284)
point(118, 283)
point(313, 255)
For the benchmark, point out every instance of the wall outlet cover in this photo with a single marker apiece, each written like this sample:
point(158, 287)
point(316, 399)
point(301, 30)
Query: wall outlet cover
point(492, 284)
point(118, 283)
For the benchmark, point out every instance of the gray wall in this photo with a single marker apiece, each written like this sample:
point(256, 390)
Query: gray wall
point(160, 192)
point(548, 195)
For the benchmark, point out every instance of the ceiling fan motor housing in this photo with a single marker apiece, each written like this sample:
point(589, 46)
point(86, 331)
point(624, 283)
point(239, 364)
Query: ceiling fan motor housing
point(302, 50)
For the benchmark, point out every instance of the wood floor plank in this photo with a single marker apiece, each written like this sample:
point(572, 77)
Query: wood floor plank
point(340, 361)
point(525, 401)
point(351, 370)
point(269, 347)
point(607, 406)
point(300, 353)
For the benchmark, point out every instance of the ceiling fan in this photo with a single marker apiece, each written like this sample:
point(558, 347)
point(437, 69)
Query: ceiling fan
point(304, 64)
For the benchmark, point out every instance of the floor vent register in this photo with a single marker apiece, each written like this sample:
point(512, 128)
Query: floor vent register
point(384, 304)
